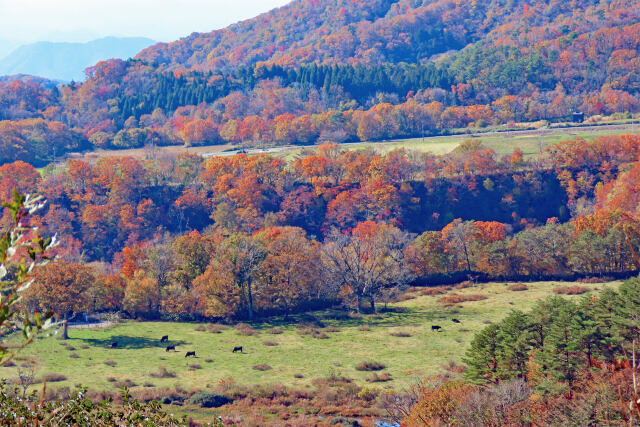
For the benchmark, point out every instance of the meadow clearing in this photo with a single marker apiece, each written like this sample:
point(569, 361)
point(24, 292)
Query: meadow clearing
point(293, 353)
point(529, 141)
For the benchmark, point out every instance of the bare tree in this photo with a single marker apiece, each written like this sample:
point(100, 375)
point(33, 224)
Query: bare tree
point(26, 377)
point(366, 260)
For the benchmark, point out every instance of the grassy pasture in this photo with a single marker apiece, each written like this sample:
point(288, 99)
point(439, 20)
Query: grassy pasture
point(529, 141)
point(502, 142)
point(87, 358)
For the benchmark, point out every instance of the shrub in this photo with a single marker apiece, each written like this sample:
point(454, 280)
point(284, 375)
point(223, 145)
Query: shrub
point(7, 364)
point(215, 328)
point(194, 367)
point(314, 333)
point(163, 373)
point(571, 290)
point(298, 376)
point(244, 329)
point(200, 328)
point(464, 285)
point(400, 334)
point(276, 330)
point(111, 363)
point(163, 395)
point(206, 399)
point(364, 328)
point(208, 360)
point(457, 299)
point(517, 287)
point(148, 384)
point(112, 379)
point(53, 377)
point(74, 356)
point(262, 367)
point(331, 329)
point(381, 378)
point(439, 290)
point(370, 365)
point(85, 346)
point(333, 379)
point(270, 343)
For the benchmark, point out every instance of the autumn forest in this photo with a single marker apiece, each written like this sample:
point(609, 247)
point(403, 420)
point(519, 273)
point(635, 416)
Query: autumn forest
point(247, 240)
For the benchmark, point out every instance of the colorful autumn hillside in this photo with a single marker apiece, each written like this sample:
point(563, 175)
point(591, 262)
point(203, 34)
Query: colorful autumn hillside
point(316, 71)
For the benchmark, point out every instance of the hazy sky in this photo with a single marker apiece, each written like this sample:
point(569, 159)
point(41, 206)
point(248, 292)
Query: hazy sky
point(83, 20)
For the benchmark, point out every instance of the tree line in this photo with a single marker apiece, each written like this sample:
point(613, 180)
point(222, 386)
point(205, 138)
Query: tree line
point(243, 236)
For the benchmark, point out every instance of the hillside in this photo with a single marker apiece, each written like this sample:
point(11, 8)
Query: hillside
point(379, 31)
point(346, 71)
point(67, 61)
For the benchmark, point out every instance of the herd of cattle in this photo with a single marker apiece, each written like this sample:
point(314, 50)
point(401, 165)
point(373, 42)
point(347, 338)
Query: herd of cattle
point(165, 339)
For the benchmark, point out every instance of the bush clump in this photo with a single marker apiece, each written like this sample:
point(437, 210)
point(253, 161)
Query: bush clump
point(374, 377)
point(244, 329)
point(370, 365)
point(215, 328)
point(206, 399)
point(262, 367)
point(400, 334)
point(457, 299)
point(517, 287)
point(53, 377)
point(163, 373)
point(571, 290)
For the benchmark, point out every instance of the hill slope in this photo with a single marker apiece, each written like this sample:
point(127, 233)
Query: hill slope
point(67, 61)
point(375, 31)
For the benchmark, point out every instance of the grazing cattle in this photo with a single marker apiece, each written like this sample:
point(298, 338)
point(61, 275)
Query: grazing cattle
point(455, 321)
point(170, 348)
point(114, 344)
point(164, 338)
point(236, 349)
point(436, 328)
point(190, 354)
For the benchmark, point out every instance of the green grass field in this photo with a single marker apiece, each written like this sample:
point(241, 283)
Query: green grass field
point(503, 142)
point(81, 359)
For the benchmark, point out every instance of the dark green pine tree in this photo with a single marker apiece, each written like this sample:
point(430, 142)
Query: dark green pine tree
point(590, 335)
point(514, 345)
point(561, 351)
point(541, 318)
point(482, 357)
point(607, 313)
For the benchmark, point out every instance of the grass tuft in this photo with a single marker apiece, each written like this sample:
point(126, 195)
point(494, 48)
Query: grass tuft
point(370, 365)
point(163, 373)
point(262, 367)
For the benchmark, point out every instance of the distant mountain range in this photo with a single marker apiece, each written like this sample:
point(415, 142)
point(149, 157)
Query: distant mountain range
point(67, 61)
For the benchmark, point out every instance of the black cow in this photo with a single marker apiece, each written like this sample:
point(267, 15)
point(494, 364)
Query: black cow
point(114, 344)
point(236, 349)
point(455, 321)
point(164, 338)
point(190, 354)
point(170, 348)
point(436, 328)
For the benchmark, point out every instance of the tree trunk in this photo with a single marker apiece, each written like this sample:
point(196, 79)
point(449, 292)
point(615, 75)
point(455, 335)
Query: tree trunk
point(65, 327)
point(359, 304)
point(250, 301)
point(372, 304)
